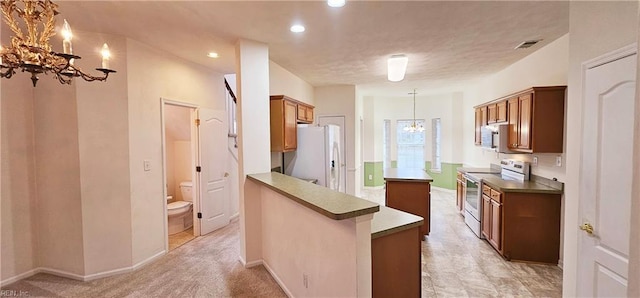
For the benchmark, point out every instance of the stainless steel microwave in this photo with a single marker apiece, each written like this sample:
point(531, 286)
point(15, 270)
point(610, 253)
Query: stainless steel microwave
point(496, 137)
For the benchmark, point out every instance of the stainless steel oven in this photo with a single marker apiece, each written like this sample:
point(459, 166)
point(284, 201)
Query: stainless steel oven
point(473, 203)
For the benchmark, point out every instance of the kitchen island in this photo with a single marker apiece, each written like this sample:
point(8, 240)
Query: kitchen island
point(316, 241)
point(409, 190)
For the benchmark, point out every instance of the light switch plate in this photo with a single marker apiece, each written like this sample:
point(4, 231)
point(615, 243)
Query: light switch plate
point(147, 165)
point(370, 177)
point(558, 161)
point(535, 161)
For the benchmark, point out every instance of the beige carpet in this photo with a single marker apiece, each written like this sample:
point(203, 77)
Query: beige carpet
point(207, 266)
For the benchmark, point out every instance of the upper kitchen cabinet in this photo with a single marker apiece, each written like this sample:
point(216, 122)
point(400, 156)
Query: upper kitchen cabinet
point(286, 113)
point(536, 120)
point(481, 120)
point(497, 112)
point(305, 113)
point(535, 117)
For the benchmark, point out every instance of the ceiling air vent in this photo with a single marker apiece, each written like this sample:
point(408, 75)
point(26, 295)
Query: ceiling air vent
point(527, 44)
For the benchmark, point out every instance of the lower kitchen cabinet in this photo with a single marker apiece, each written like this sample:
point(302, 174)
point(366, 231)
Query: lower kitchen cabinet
point(460, 193)
point(522, 226)
point(396, 267)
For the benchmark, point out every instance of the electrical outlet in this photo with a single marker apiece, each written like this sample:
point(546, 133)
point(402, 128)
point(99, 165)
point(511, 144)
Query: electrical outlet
point(370, 177)
point(535, 161)
point(305, 281)
point(558, 161)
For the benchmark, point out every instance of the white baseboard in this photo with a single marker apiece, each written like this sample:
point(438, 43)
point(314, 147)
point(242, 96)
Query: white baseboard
point(88, 277)
point(278, 280)
point(560, 264)
point(18, 277)
point(148, 260)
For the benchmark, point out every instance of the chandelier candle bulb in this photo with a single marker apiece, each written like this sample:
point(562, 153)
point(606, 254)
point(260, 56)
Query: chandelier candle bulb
point(67, 35)
point(105, 56)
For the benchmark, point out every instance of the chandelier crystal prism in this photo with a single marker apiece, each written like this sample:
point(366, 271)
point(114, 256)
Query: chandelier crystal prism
point(31, 52)
point(414, 126)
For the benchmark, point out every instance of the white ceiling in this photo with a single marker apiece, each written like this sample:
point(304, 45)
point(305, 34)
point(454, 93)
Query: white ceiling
point(446, 42)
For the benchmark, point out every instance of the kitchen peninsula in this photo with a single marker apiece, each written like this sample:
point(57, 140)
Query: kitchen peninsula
point(409, 190)
point(318, 242)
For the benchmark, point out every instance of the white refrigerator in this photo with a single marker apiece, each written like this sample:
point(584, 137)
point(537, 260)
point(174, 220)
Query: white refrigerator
point(318, 157)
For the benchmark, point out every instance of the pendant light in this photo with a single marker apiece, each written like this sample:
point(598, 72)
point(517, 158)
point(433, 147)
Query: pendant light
point(414, 127)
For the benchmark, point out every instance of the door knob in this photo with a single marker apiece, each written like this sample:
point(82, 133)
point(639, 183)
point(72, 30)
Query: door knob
point(226, 174)
point(587, 227)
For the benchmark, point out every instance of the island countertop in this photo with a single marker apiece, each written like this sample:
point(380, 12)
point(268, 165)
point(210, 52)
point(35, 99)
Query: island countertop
point(330, 203)
point(389, 221)
point(417, 175)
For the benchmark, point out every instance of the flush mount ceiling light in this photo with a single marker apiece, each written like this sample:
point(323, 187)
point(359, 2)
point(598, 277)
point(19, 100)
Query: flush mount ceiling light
point(30, 51)
point(297, 28)
point(396, 67)
point(336, 3)
point(414, 126)
point(213, 55)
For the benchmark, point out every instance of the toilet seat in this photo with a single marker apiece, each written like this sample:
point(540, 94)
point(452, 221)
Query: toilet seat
point(177, 208)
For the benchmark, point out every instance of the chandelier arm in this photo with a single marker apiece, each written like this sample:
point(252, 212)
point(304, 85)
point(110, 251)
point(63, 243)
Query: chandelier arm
point(89, 78)
point(49, 10)
point(8, 8)
point(8, 74)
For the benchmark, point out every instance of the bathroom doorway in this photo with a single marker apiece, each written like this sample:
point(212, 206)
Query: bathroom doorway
point(180, 141)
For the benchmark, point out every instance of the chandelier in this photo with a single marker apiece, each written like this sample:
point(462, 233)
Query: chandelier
point(31, 52)
point(414, 126)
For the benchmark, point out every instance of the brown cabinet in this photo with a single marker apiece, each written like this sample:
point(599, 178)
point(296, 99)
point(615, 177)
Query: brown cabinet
point(535, 117)
point(481, 120)
point(501, 112)
point(305, 113)
point(460, 182)
point(492, 216)
point(395, 264)
point(536, 120)
point(497, 112)
point(410, 196)
point(522, 226)
point(286, 113)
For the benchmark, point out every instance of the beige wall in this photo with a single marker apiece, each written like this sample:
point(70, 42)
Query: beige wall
point(616, 27)
point(18, 201)
point(340, 100)
point(156, 75)
point(183, 170)
point(328, 257)
point(283, 82)
point(104, 160)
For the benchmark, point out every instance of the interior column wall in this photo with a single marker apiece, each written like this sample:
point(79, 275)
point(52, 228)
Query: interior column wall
point(103, 153)
point(17, 179)
point(254, 141)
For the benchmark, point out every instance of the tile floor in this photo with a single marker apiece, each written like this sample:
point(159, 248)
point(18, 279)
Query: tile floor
point(455, 263)
point(178, 239)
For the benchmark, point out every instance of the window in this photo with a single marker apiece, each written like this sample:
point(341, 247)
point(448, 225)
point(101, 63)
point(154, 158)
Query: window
point(410, 146)
point(436, 137)
point(386, 146)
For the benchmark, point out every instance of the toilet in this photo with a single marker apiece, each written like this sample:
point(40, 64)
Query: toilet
point(180, 212)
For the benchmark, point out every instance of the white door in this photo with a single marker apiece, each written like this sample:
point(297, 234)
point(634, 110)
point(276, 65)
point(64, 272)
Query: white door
point(606, 169)
point(340, 122)
point(214, 190)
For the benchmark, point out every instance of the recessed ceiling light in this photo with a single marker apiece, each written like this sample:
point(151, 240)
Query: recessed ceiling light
point(297, 28)
point(336, 3)
point(213, 55)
